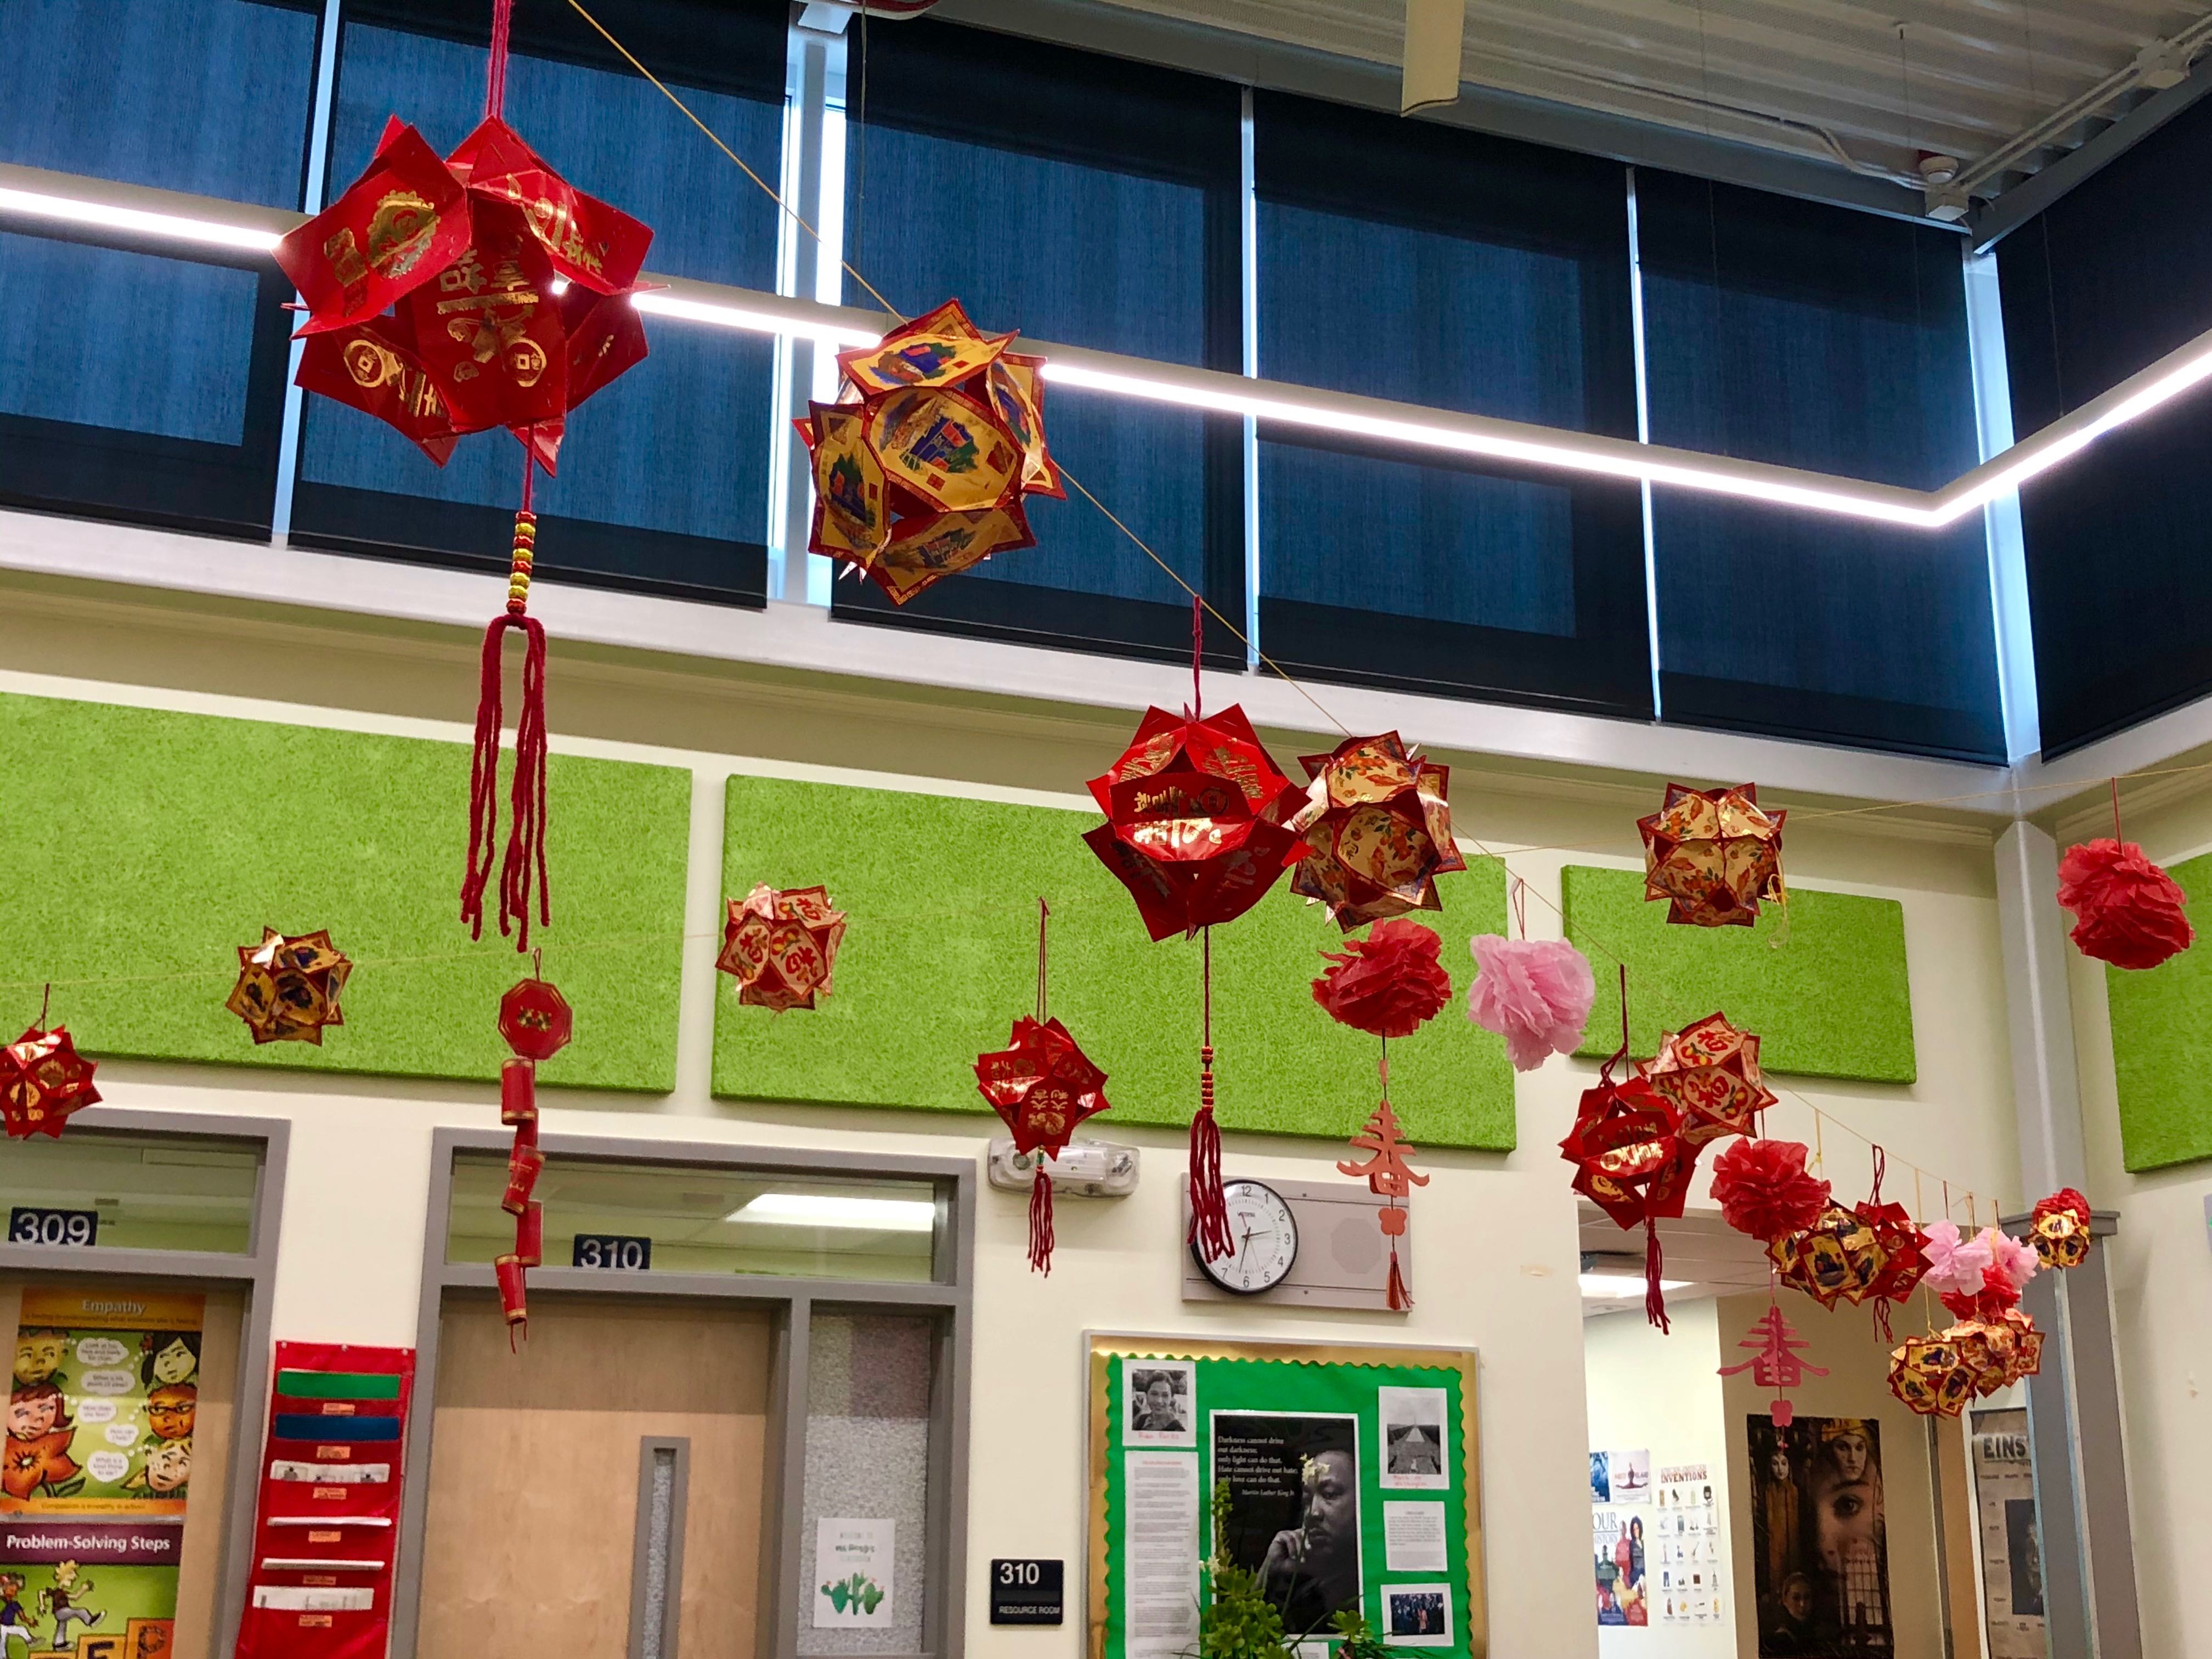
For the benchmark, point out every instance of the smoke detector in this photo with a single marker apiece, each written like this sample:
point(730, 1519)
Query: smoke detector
point(1938, 169)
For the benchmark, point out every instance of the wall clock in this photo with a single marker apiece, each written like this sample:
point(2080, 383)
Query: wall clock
point(1266, 1238)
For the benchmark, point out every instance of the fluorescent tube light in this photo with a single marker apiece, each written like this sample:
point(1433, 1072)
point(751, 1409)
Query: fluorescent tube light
point(208, 231)
point(722, 315)
point(1619, 1287)
point(879, 1215)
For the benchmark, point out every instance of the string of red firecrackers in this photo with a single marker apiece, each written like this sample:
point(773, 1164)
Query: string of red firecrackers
point(536, 1022)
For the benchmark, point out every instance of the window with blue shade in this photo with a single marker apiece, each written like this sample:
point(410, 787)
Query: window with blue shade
point(2102, 283)
point(211, 97)
point(138, 386)
point(1431, 265)
point(662, 480)
point(1782, 330)
point(1084, 200)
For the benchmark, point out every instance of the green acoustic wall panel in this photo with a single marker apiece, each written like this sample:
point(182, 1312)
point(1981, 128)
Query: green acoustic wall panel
point(941, 956)
point(2162, 1046)
point(1821, 981)
point(142, 846)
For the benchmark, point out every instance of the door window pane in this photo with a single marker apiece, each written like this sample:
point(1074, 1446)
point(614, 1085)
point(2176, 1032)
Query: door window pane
point(148, 1192)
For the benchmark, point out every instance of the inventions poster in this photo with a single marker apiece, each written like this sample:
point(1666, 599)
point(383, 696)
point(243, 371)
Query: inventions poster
point(97, 1471)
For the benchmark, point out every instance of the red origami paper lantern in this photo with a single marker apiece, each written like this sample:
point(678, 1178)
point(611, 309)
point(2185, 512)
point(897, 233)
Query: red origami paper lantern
point(1388, 1172)
point(1631, 1162)
point(512, 289)
point(2060, 1229)
point(1043, 1085)
point(2127, 910)
point(1377, 831)
point(918, 474)
point(536, 1021)
point(1196, 820)
point(1776, 1364)
point(288, 989)
point(43, 1081)
point(781, 946)
point(1713, 855)
point(1709, 1072)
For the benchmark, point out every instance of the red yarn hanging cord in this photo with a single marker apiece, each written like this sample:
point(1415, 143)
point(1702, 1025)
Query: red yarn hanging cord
point(523, 862)
point(502, 15)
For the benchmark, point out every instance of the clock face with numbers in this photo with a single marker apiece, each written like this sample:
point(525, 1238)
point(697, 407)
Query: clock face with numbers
point(1266, 1235)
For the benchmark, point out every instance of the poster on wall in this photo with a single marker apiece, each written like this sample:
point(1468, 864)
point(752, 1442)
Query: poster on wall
point(1685, 1582)
point(1630, 1475)
point(97, 1469)
point(2012, 1558)
point(1349, 1475)
point(1819, 1543)
point(1620, 1564)
point(853, 1573)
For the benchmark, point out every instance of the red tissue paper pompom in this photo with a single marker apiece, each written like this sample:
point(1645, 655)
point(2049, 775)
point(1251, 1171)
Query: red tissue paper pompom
point(1388, 983)
point(1763, 1191)
point(2127, 910)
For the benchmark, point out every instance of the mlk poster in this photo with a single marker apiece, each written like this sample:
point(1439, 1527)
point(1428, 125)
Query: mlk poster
point(1819, 1541)
point(96, 1472)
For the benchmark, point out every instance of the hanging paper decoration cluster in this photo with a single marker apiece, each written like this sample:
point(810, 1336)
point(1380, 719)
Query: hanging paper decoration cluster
point(1776, 1364)
point(1535, 993)
point(781, 947)
point(1709, 1072)
point(920, 469)
point(1042, 1085)
point(2060, 1227)
point(1992, 1345)
point(510, 291)
point(2127, 911)
point(537, 1022)
point(1375, 830)
point(1388, 1171)
point(43, 1081)
point(1713, 854)
point(287, 988)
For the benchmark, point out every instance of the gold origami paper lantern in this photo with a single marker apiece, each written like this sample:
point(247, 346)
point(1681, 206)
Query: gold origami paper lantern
point(1926, 1373)
point(288, 989)
point(1837, 1258)
point(781, 947)
point(1375, 831)
point(920, 470)
point(1710, 1072)
point(1713, 854)
point(2061, 1234)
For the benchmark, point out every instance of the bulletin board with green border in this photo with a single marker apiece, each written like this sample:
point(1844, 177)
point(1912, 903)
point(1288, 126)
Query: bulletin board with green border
point(144, 846)
point(1293, 1379)
point(1821, 977)
point(940, 955)
point(2162, 1046)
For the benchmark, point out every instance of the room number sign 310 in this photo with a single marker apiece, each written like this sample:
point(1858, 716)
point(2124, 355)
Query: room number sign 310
point(612, 1252)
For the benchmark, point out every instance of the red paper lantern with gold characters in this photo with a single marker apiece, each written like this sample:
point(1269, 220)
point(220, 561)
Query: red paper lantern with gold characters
point(1709, 1072)
point(1375, 830)
point(920, 472)
point(781, 946)
point(1042, 1085)
point(1197, 820)
point(1631, 1162)
point(1713, 854)
point(535, 1020)
point(43, 1080)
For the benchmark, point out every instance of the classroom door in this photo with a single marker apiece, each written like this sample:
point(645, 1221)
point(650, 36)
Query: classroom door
point(534, 1526)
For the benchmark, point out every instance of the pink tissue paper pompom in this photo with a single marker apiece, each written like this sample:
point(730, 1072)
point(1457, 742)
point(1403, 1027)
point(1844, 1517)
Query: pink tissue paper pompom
point(1953, 1263)
point(2012, 1260)
point(1535, 993)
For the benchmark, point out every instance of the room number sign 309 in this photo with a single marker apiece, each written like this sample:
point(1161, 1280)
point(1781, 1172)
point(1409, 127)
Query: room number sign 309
point(80, 1228)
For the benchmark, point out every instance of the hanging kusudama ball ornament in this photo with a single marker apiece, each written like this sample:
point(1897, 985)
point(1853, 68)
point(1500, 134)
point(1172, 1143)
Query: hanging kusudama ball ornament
point(1631, 1162)
point(1837, 1259)
point(921, 468)
point(1930, 1375)
point(510, 293)
point(43, 1081)
point(2060, 1229)
point(781, 946)
point(1713, 854)
point(537, 1022)
point(1377, 831)
point(1709, 1072)
point(287, 988)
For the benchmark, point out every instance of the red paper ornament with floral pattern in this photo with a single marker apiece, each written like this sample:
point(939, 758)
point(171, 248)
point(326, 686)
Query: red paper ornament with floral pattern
point(2060, 1229)
point(1715, 855)
point(43, 1081)
point(1375, 831)
point(1631, 1162)
point(782, 947)
point(1042, 1085)
point(1709, 1072)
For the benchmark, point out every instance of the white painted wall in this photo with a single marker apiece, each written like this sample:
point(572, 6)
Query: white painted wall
point(1496, 1238)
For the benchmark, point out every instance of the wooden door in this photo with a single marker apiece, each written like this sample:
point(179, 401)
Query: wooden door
point(534, 1462)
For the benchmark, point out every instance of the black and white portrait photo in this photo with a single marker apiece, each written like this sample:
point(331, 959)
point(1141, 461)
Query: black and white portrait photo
point(1417, 1615)
point(1293, 1510)
point(1416, 1446)
point(1162, 1396)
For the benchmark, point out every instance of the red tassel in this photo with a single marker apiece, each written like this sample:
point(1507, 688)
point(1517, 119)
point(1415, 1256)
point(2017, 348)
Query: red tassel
point(1041, 1238)
point(1655, 1301)
point(1399, 1300)
point(1881, 1321)
point(525, 854)
point(1209, 1206)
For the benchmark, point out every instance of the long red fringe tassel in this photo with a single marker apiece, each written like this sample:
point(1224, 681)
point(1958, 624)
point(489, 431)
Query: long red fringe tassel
point(1209, 1206)
point(1400, 1300)
point(1655, 1300)
point(1041, 1238)
point(523, 861)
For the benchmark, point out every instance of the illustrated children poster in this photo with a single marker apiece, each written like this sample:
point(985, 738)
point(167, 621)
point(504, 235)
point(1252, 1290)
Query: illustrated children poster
point(1685, 1582)
point(1344, 1476)
point(97, 1471)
